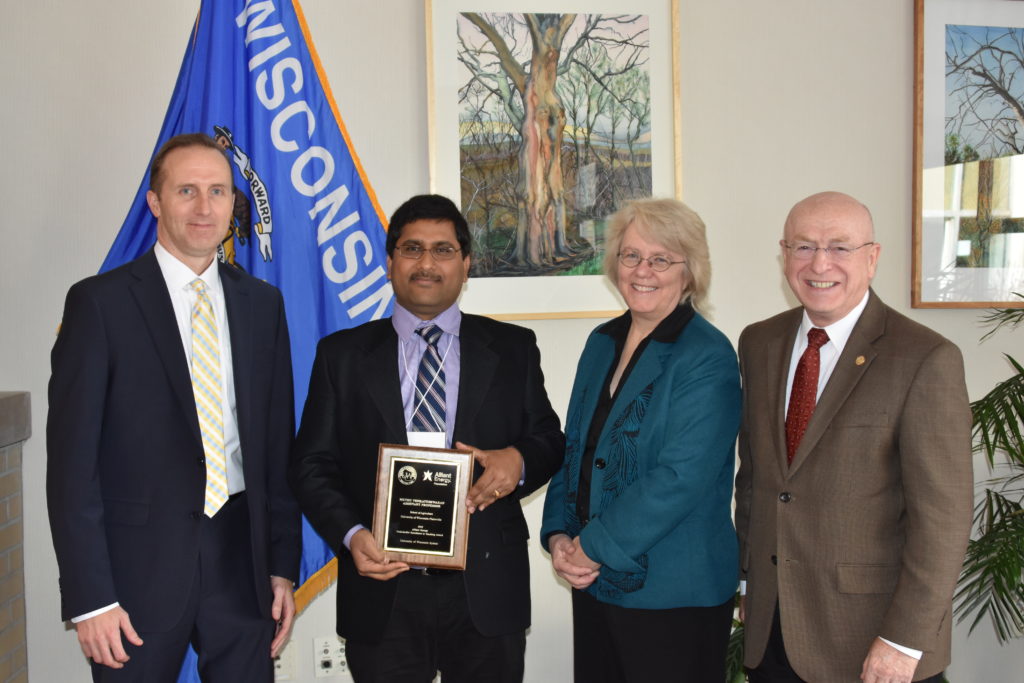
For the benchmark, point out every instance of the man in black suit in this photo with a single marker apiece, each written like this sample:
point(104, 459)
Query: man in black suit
point(487, 393)
point(169, 425)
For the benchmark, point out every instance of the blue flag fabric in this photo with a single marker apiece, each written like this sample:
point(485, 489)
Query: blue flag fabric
point(305, 219)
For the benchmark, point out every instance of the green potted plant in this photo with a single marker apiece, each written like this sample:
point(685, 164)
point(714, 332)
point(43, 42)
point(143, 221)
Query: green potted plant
point(992, 582)
point(734, 672)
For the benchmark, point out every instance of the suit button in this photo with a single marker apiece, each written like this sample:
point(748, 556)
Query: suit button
point(201, 461)
point(599, 464)
point(785, 497)
point(195, 515)
point(775, 560)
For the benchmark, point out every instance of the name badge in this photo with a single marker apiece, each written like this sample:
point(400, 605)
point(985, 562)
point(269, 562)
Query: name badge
point(426, 439)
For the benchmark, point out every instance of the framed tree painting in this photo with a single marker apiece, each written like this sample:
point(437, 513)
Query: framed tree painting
point(968, 241)
point(541, 125)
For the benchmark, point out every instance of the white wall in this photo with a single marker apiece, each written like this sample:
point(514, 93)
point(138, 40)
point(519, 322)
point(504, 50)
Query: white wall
point(780, 99)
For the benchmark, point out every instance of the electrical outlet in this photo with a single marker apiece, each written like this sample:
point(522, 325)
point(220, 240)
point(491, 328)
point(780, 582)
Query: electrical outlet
point(329, 657)
point(284, 664)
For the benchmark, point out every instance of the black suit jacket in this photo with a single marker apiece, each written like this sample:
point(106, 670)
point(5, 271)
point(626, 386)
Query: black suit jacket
point(354, 404)
point(125, 474)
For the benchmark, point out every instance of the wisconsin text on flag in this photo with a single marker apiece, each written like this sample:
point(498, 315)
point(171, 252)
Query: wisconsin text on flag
point(272, 65)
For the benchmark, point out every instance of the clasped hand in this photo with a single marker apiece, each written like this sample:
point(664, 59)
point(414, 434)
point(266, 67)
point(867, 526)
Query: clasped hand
point(571, 562)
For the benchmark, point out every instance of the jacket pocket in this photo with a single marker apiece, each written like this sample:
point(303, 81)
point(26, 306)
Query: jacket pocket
point(867, 579)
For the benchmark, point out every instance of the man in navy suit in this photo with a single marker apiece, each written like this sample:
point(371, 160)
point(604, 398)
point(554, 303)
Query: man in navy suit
point(171, 518)
point(402, 623)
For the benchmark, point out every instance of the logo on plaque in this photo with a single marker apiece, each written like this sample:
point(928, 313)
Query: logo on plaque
point(407, 475)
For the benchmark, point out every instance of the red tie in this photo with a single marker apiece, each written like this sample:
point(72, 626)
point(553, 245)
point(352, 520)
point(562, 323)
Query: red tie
point(805, 391)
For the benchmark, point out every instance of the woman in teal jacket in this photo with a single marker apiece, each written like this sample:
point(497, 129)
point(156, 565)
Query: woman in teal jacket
point(638, 520)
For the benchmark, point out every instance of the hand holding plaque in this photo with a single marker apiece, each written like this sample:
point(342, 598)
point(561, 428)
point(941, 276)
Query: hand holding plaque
point(419, 514)
point(370, 559)
point(503, 468)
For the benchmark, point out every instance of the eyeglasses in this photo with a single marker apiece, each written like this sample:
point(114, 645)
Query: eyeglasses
point(632, 259)
point(803, 251)
point(442, 252)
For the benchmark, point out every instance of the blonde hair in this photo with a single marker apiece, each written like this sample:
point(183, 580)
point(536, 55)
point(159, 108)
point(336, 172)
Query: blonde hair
point(674, 226)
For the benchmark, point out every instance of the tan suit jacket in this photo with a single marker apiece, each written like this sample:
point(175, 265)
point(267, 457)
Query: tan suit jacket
point(864, 534)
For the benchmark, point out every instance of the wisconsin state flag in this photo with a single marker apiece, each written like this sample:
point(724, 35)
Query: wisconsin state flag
point(305, 218)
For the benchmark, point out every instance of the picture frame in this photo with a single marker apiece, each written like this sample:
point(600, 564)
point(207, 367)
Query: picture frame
point(968, 182)
point(548, 295)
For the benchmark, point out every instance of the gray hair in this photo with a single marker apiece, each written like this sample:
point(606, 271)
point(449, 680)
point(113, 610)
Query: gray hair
point(674, 226)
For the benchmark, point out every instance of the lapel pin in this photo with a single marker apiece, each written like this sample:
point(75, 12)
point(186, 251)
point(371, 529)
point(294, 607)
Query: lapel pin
point(859, 360)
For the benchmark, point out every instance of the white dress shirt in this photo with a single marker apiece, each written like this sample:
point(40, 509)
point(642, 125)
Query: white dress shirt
point(838, 334)
point(178, 277)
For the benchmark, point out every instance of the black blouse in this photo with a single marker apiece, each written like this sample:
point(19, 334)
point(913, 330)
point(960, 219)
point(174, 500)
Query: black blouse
point(667, 331)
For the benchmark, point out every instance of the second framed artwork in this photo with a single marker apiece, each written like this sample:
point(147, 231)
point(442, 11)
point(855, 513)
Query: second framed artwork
point(968, 154)
point(542, 125)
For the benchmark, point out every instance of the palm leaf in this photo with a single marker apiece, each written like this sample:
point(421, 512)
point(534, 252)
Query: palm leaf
point(1003, 317)
point(998, 417)
point(990, 583)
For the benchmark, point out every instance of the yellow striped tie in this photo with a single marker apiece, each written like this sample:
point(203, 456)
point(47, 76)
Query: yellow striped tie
point(206, 386)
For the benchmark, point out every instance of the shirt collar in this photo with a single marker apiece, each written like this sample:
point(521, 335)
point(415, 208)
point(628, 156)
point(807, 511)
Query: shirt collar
point(406, 323)
point(838, 332)
point(178, 276)
point(666, 332)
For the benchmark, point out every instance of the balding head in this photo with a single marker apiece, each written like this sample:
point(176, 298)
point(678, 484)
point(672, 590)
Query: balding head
point(829, 285)
point(851, 211)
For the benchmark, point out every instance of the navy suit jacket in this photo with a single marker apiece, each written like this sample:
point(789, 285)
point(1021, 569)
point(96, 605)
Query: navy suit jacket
point(125, 474)
point(354, 404)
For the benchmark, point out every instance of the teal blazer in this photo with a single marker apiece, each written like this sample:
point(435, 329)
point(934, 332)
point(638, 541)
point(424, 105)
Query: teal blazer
point(660, 507)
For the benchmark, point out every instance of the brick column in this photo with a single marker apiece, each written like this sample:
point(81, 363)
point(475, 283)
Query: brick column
point(15, 427)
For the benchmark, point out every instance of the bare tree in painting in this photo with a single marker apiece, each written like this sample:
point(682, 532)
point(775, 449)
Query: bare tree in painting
point(586, 97)
point(516, 62)
point(984, 121)
point(638, 102)
point(628, 109)
point(985, 88)
point(486, 143)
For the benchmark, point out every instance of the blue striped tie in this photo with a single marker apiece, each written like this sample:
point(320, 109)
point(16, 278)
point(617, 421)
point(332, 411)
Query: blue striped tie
point(429, 400)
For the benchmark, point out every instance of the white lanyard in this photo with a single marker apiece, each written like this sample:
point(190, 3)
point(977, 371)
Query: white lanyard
point(440, 369)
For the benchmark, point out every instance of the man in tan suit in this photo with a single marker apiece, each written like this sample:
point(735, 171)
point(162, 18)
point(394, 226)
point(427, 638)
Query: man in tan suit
point(854, 493)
